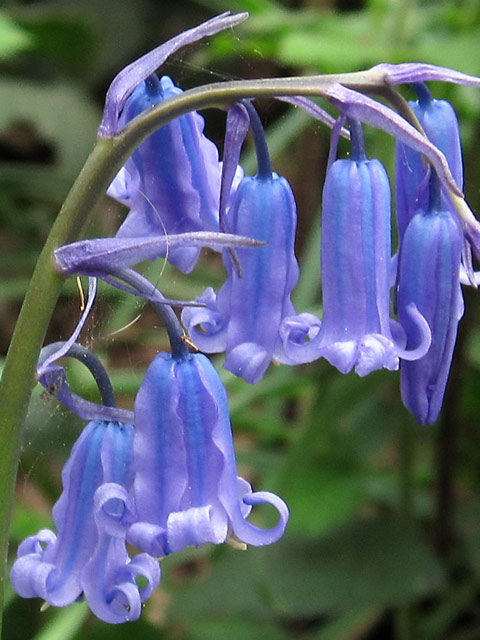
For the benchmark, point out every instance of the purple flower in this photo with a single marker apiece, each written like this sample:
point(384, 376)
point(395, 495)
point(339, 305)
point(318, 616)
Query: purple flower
point(88, 555)
point(186, 487)
point(136, 72)
point(440, 124)
point(356, 330)
point(245, 317)
point(171, 183)
point(429, 269)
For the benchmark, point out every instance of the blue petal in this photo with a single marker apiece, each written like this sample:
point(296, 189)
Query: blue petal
point(429, 277)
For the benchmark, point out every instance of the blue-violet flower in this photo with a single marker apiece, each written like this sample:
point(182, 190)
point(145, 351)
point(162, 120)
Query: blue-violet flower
point(88, 556)
point(172, 180)
point(429, 268)
point(412, 184)
point(186, 487)
point(356, 331)
point(245, 318)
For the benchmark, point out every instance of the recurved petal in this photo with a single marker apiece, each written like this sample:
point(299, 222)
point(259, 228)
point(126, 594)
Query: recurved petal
point(300, 339)
point(196, 526)
point(248, 360)
point(126, 81)
point(251, 534)
point(29, 575)
point(109, 587)
point(207, 325)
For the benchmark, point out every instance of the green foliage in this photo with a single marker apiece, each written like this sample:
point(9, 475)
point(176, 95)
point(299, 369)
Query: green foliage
point(13, 38)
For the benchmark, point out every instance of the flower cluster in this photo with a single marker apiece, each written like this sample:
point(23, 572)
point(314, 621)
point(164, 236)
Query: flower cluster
point(165, 484)
point(164, 477)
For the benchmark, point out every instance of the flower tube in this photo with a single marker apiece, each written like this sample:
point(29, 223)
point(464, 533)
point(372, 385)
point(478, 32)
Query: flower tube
point(186, 487)
point(429, 269)
point(356, 330)
point(60, 568)
point(245, 318)
point(172, 181)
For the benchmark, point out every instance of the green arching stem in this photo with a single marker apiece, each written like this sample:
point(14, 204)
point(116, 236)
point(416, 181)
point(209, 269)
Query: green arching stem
point(107, 157)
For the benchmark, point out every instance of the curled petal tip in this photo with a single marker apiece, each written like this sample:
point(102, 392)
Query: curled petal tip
point(250, 534)
point(424, 331)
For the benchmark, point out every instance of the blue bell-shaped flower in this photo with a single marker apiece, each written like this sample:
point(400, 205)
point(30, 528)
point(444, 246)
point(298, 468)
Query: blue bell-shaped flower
point(88, 555)
point(186, 487)
point(171, 183)
point(245, 319)
point(356, 330)
point(429, 269)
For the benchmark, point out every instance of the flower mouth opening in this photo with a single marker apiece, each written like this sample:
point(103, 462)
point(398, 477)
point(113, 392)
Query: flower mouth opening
point(114, 508)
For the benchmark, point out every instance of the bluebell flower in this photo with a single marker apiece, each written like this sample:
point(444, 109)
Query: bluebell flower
point(356, 330)
point(171, 183)
point(429, 269)
point(186, 487)
point(412, 183)
point(88, 557)
point(245, 318)
point(136, 72)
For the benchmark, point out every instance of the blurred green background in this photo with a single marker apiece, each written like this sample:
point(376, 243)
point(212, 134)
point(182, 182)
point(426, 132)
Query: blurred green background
point(384, 536)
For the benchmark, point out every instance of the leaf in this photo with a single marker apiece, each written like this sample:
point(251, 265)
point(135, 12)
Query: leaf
point(322, 495)
point(368, 563)
point(234, 629)
point(12, 37)
point(65, 623)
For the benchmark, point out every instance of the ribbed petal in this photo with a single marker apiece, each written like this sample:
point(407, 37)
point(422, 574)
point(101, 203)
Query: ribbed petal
point(429, 277)
point(360, 107)
point(355, 257)
point(233, 492)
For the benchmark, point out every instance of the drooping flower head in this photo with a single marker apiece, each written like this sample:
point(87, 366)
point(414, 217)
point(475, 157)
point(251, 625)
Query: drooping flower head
point(186, 487)
point(245, 318)
point(87, 556)
point(356, 330)
point(171, 183)
point(428, 276)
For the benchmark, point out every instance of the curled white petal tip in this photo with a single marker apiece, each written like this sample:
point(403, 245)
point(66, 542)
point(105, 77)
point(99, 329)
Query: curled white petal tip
point(425, 335)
